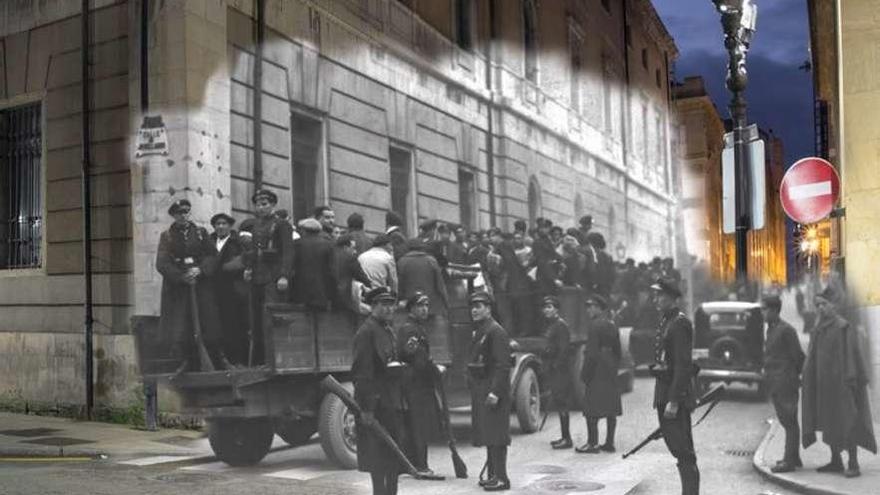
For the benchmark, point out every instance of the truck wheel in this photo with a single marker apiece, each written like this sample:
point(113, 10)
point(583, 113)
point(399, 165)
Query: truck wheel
point(336, 425)
point(528, 401)
point(296, 431)
point(579, 391)
point(240, 441)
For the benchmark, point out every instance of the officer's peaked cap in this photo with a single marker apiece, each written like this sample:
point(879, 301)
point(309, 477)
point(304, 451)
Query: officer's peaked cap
point(177, 206)
point(550, 300)
point(480, 297)
point(264, 193)
point(598, 300)
point(667, 286)
point(379, 294)
point(418, 297)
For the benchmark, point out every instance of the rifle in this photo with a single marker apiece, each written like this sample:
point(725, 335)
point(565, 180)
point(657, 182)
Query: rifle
point(205, 363)
point(330, 385)
point(712, 397)
point(457, 463)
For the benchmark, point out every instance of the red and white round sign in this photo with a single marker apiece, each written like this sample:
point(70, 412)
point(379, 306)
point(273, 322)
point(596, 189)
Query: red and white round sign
point(809, 190)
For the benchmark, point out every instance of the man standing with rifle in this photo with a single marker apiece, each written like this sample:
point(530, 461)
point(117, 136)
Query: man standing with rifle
point(674, 390)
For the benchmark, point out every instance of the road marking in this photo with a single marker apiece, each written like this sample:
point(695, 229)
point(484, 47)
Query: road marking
point(211, 467)
point(806, 191)
point(47, 459)
point(158, 459)
point(304, 473)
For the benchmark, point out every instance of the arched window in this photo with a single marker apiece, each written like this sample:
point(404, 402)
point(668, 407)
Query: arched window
point(530, 40)
point(534, 201)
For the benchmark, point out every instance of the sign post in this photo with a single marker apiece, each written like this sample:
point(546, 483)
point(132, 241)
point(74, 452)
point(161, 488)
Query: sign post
point(809, 190)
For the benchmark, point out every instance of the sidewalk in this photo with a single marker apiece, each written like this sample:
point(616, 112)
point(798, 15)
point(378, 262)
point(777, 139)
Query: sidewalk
point(34, 436)
point(807, 480)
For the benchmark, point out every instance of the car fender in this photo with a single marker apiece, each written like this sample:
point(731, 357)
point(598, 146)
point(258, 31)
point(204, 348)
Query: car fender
point(521, 362)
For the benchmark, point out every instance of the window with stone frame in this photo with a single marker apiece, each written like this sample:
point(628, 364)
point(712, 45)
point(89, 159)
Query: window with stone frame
point(607, 99)
point(530, 40)
point(464, 24)
point(467, 193)
point(21, 186)
point(576, 48)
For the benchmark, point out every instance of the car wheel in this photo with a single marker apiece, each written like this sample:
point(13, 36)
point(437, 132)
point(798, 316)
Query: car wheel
point(336, 425)
point(240, 441)
point(296, 431)
point(528, 401)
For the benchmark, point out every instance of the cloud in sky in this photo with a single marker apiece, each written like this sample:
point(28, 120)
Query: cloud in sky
point(779, 95)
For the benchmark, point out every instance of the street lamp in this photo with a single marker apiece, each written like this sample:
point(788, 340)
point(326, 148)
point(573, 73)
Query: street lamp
point(738, 18)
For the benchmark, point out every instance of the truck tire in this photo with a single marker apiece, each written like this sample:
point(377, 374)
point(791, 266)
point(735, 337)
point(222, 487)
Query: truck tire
point(240, 441)
point(336, 426)
point(296, 431)
point(527, 401)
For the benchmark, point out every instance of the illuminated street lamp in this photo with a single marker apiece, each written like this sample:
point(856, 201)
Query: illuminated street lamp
point(739, 18)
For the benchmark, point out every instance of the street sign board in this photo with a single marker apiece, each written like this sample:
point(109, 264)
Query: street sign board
point(755, 160)
point(809, 190)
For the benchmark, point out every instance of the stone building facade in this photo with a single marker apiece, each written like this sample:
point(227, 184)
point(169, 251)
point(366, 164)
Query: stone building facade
point(459, 110)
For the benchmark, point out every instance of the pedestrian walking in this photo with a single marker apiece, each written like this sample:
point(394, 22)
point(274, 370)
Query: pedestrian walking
point(557, 358)
point(602, 356)
point(186, 259)
point(230, 289)
point(673, 369)
point(313, 264)
point(835, 398)
point(489, 381)
point(783, 361)
point(378, 389)
point(422, 417)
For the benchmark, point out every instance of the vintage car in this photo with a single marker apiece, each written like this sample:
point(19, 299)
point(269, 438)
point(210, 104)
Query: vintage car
point(729, 343)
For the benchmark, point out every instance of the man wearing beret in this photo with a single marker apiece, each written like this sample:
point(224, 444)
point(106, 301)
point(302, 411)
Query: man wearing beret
point(674, 396)
point(268, 260)
point(489, 381)
point(186, 258)
point(230, 288)
point(601, 361)
point(557, 357)
point(378, 389)
point(415, 350)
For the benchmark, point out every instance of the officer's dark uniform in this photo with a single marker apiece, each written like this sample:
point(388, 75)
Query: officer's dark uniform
point(599, 374)
point(489, 372)
point(783, 361)
point(378, 389)
point(557, 357)
point(269, 255)
point(674, 371)
point(422, 415)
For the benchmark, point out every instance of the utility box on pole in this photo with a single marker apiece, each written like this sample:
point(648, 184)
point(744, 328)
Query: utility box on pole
point(756, 163)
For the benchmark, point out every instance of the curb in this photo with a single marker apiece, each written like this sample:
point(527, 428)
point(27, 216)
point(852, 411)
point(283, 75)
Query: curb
point(764, 470)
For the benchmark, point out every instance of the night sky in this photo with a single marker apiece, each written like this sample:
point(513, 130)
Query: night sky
point(779, 95)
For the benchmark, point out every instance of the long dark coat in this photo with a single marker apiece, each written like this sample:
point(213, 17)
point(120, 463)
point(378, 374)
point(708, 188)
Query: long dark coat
point(419, 271)
point(783, 358)
point(314, 283)
point(601, 361)
point(415, 350)
point(557, 358)
point(835, 399)
point(489, 368)
point(377, 390)
point(675, 377)
point(180, 246)
point(230, 290)
point(547, 261)
point(604, 273)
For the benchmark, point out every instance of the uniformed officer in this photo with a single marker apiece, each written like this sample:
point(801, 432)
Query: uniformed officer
point(186, 259)
point(378, 389)
point(674, 390)
point(783, 361)
point(268, 260)
point(601, 361)
point(558, 359)
point(489, 373)
point(415, 350)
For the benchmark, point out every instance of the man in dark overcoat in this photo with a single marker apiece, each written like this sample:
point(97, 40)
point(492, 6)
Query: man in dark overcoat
point(783, 361)
point(378, 389)
point(673, 368)
point(186, 259)
point(835, 397)
point(419, 271)
point(348, 270)
point(602, 356)
point(557, 358)
point(268, 261)
point(230, 288)
point(489, 381)
point(313, 264)
point(362, 240)
point(422, 417)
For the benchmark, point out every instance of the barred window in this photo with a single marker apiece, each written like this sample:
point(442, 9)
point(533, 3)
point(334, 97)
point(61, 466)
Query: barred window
point(21, 200)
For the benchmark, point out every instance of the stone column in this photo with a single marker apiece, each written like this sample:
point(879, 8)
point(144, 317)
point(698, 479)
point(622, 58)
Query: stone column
point(189, 88)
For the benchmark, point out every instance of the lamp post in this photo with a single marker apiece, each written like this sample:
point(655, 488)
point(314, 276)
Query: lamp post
point(738, 19)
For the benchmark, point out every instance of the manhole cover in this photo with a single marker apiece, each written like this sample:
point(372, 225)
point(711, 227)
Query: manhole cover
point(567, 486)
point(30, 432)
point(58, 441)
point(739, 453)
point(542, 469)
point(181, 477)
point(177, 440)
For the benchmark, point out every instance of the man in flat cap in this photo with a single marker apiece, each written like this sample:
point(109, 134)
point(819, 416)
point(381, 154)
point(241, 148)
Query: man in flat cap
point(415, 350)
point(186, 258)
point(378, 389)
point(489, 381)
point(313, 263)
point(835, 399)
point(557, 357)
point(230, 289)
point(268, 261)
point(674, 396)
point(601, 361)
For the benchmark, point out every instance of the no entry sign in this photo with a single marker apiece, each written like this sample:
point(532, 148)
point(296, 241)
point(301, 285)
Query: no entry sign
point(809, 190)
